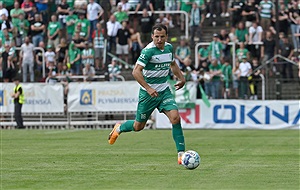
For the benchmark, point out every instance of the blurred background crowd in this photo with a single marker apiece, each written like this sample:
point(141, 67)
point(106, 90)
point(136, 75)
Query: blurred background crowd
point(93, 37)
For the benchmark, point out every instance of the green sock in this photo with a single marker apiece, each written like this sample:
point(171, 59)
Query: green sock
point(178, 137)
point(127, 126)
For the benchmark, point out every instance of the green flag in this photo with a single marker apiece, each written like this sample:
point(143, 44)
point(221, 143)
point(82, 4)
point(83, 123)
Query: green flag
point(204, 97)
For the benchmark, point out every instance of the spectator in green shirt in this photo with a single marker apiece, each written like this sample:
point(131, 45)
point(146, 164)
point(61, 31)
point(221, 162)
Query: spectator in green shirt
point(227, 78)
point(114, 70)
point(203, 54)
point(71, 20)
point(242, 51)
point(241, 33)
point(121, 15)
point(74, 59)
point(87, 54)
point(9, 4)
point(6, 36)
point(53, 31)
point(15, 13)
point(184, 5)
point(71, 3)
point(22, 28)
point(85, 26)
point(215, 48)
point(182, 51)
point(215, 72)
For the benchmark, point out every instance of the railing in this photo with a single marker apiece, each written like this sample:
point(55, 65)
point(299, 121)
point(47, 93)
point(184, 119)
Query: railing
point(83, 77)
point(263, 86)
point(43, 59)
point(230, 43)
point(271, 61)
point(120, 60)
point(171, 12)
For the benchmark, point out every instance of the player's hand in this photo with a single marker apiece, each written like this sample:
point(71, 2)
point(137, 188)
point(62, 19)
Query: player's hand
point(152, 92)
point(179, 84)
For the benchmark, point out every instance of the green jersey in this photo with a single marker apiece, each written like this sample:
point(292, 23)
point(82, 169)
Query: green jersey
point(20, 24)
point(85, 24)
point(121, 16)
point(7, 40)
point(227, 73)
point(98, 39)
point(203, 52)
point(240, 53)
point(87, 52)
point(53, 27)
point(73, 53)
point(72, 19)
point(71, 3)
point(16, 12)
point(8, 3)
point(186, 5)
point(114, 70)
point(156, 65)
point(241, 34)
point(266, 9)
point(200, 3)
point(215, 49)
point(183, 52)
point(215, 68)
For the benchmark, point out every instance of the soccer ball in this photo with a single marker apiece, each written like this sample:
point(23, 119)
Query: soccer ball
point(190, 159)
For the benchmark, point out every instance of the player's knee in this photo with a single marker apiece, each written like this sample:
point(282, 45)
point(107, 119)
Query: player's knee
point(175, 119)
point(138, 127)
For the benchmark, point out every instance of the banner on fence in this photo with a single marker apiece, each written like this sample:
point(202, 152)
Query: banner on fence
point(103, 96)
point(39, 98)
point(238, 114)
point(115, 96)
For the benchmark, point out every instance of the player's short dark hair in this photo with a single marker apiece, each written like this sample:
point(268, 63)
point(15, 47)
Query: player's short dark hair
point(159, 27)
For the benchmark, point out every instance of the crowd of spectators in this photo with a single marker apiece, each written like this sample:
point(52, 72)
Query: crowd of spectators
point(253, 30)
point(72, 34)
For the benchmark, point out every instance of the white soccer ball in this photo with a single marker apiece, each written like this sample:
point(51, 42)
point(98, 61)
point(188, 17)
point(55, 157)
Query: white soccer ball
point(190, 159)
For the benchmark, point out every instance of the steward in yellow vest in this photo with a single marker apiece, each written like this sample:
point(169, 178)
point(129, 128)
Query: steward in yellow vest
point(18, 96)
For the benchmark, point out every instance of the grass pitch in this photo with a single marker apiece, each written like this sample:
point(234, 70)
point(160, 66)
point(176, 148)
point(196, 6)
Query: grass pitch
point(82, 159)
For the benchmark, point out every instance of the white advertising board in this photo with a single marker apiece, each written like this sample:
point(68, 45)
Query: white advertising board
point(238, 114)
point(103, 96)
point(39, 98)
point(113, 96)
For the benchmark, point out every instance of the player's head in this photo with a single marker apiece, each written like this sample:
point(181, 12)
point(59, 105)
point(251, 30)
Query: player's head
point(159, 35)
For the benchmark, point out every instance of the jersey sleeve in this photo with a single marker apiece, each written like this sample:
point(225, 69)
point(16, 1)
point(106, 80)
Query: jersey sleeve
point(144, 57)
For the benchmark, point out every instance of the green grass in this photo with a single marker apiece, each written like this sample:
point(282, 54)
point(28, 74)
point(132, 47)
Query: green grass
point(82, 159)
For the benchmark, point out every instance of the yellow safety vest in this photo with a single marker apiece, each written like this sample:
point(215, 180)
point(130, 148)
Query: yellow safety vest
point(21, 96)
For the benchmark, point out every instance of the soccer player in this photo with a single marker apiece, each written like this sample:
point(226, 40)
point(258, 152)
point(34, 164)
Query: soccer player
point(151, 72)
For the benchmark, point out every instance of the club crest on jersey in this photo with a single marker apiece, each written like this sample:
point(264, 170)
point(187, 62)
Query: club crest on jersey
point(143, 116)
point(143, 56)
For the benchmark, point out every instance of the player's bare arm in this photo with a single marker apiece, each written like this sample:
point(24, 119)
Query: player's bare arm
point(177, 72)
point(138, 75)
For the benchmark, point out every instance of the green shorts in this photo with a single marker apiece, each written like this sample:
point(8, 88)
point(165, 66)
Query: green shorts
point(147, 104)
